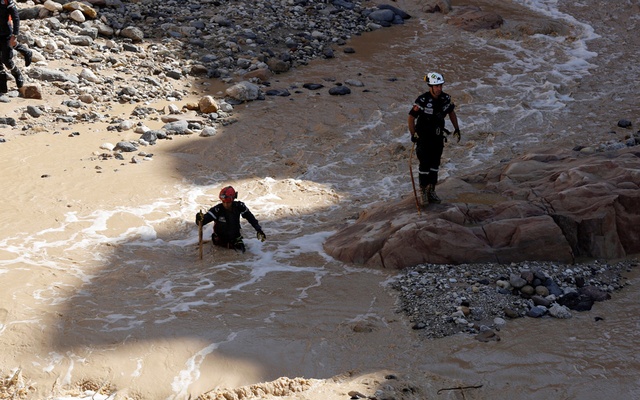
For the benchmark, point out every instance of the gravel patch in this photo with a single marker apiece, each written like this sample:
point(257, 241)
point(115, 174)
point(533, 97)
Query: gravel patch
point(443, 300)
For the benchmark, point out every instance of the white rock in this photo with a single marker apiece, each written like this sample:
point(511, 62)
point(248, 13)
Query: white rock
point(243, 91)
point(208, 131)
point(77, 16)
point(126, 125)
point(558, 311)
point(52, 6)
point(141, 129)
point(499, 322)
point(88, 75)
point(50, 46)
point(225, 107)
point(173, 109)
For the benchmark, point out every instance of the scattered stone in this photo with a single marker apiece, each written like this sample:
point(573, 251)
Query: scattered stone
point(354, 83)
point(339, 90)
point(207, 105)
point(243, 91)
point(624, 123)
point(558, 311)
point(31, 91)
point(594, 293)
point(7, 121)
point(126, 147)
point(150, 137)
point(517, 281)
point(208, 131)
point(541, 301)
point(135, 34)
point(363, 327)
point(487, 336)
point(510, 313)
point(542, 291)
point(278, 92)
point(537, 311)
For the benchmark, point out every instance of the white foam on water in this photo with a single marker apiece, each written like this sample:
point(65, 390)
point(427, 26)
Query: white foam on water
point(191, 373)
point(376, 119)
point(525, 91)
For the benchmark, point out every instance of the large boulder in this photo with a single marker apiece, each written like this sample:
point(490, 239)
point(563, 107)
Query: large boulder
point(553, 206)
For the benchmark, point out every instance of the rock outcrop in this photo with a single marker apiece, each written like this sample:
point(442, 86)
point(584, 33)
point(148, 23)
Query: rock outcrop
point(549, 206)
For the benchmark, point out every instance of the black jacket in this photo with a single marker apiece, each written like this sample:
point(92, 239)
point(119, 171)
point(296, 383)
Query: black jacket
point(430, 113)
point(227, 223)
point(8, 9)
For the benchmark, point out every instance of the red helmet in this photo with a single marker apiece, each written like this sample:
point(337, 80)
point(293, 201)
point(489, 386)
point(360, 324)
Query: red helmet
point(228, 194)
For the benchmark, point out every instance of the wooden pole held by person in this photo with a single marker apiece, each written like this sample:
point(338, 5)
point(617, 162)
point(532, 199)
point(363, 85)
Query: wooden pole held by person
point(200, 234)
point(413, 183)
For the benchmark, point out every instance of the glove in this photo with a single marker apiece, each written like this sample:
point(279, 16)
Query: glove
point(239, 245)
point(414, 138)
point(456, 134)
point(261, 236)
point(199, 218)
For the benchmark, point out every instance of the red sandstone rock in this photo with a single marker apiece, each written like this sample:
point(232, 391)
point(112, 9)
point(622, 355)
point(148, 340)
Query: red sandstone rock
point(551, 206)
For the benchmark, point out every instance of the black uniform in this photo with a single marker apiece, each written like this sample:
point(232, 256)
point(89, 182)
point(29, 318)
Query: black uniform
point(226, 227)
point(430, 116)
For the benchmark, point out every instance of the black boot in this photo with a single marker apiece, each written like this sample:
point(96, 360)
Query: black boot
point(18, 77)
point(3, 82)
point(26, 53)
point(28, 57)
point(432, 196)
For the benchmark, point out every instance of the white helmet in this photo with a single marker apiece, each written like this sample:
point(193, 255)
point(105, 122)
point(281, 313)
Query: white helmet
point(434, 78)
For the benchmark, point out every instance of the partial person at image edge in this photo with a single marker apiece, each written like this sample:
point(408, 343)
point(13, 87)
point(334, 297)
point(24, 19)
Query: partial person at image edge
point(9, 30)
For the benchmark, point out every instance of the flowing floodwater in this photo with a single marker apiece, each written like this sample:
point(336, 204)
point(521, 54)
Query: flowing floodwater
point(105, 284)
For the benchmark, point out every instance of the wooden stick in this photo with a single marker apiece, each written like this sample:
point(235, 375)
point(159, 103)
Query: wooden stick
point(460, 388)
point(413, 183)
point(200, 235)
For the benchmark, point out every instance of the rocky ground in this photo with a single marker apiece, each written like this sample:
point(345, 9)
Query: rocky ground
point(159, 45)
point(89, 57)
point(479, 299)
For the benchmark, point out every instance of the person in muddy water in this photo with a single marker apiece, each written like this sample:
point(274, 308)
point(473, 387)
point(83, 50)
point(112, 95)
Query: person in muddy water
point(9, 29)
point(226, 217)
point(426, 126)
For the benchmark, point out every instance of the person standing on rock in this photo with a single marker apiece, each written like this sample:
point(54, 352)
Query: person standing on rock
point(226, 217)
point(426, 126)
point(9, 29)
